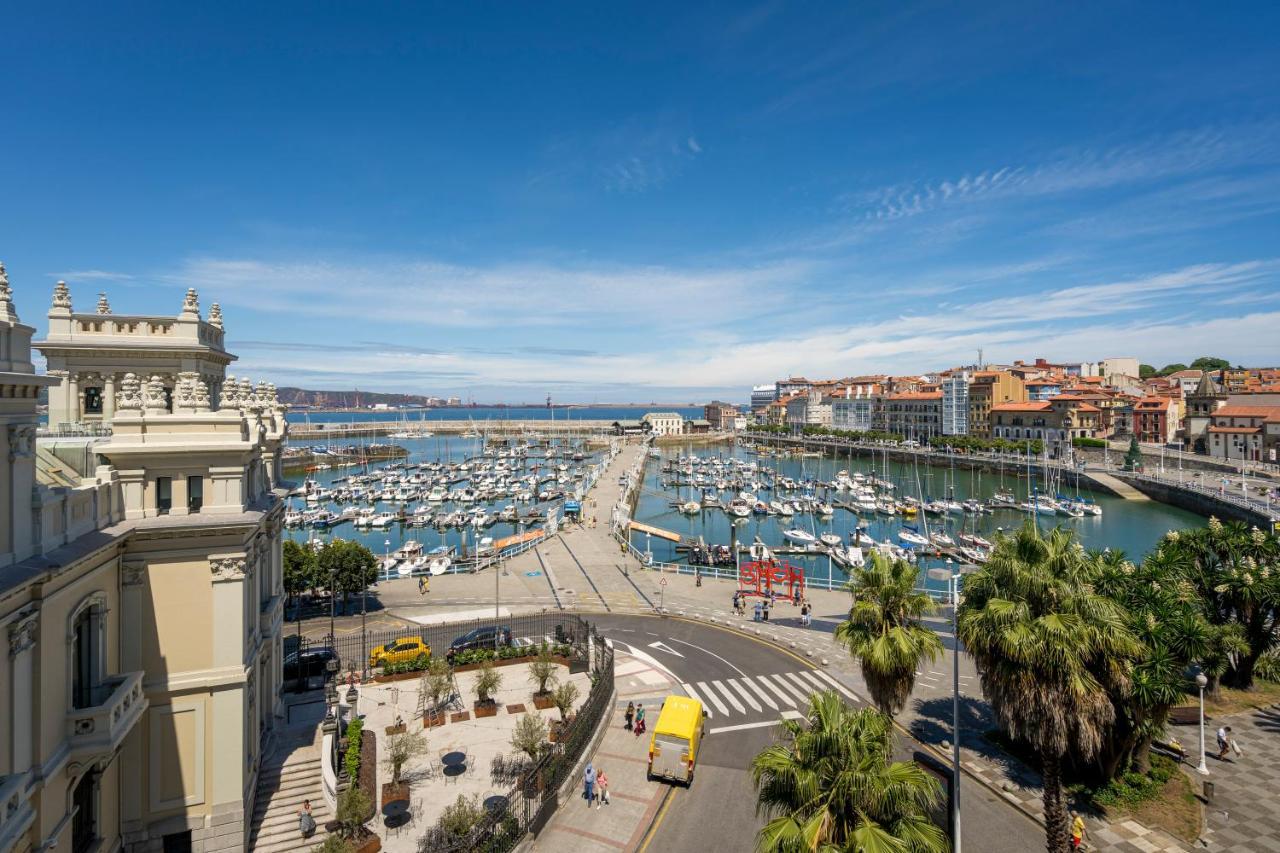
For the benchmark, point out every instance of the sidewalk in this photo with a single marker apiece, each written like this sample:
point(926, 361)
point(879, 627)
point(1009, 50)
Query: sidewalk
point(634, 801)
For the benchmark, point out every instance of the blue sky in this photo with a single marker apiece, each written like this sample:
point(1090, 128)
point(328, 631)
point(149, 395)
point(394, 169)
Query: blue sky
point(611, 202)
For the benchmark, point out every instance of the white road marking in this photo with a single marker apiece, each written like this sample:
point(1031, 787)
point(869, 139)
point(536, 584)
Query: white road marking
point(715, 700)
point(837, 685)
point(688, 689)
point(764, 697)
point(728, 694)
point(742, 727)
point(792, 715)
point(785, 697)
point(750, 700)
point(791, 688)
point(663, 647)
point(713, 654)
point(804, 685)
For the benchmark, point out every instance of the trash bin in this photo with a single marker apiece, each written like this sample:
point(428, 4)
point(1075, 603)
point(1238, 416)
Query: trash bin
point(1208, 791)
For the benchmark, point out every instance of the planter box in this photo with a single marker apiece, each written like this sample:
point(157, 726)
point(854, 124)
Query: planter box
point(515, 709)
point(396, 730)
point(371, 844)
point(392, 792)
point(543, 703)
point(399, 676)
point(460, 717)
point(565, 662)
point(486, 709)
point(431, 720)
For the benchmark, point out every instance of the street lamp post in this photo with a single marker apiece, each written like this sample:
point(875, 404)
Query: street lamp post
point(955, 707)
point(1202, 681)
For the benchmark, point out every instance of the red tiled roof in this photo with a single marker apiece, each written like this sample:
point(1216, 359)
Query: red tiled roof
point(1037, 406)
point(1236, 430)
point(1236, 410)
point(916, 395)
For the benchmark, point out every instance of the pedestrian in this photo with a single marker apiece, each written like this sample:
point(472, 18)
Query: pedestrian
point(804, 614)
point(602, 782)
point(1077, 830)
point(629, 715)
point(795, 598)
point(766, 610)
point(639, 727)
point(1224, 743)
point(589, 784)
point(306, 823)
point(756, 610)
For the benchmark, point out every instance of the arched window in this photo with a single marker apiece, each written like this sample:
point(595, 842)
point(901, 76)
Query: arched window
point(93, 401)
point(88, 650)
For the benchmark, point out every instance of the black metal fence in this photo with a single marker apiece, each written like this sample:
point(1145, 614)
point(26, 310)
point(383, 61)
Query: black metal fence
point(533, 798)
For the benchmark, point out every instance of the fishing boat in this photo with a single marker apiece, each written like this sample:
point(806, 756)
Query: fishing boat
point(691, 507)
point(739, 508)
point(800, 537)
point(759, 551)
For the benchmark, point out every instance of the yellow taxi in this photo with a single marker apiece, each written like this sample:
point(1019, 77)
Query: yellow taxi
point(403, 650)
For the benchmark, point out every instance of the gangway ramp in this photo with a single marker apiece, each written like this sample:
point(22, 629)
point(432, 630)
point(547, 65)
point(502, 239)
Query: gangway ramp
point(656, 531)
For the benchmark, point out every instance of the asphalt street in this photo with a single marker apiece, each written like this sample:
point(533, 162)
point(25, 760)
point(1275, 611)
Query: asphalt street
point(747, 685)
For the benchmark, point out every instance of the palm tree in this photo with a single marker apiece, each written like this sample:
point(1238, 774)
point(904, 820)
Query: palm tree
point(1047, 646)
point(828, 785)
point(883, 630)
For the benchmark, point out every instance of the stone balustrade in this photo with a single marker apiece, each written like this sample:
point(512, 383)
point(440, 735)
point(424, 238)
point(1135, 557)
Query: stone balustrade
point(100, 728)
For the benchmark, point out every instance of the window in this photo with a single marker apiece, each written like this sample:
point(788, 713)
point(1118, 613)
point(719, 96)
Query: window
point(93, 401)
point(178, 842)
point(84, 825)
point(195, 493)
point(164, 495)
point(85, 664)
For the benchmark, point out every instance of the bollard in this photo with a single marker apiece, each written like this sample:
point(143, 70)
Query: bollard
point(825, 662)
point(1208, 791)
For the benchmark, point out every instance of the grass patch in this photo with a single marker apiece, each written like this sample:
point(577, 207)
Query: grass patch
point(1175, 810)
point(1231, 701)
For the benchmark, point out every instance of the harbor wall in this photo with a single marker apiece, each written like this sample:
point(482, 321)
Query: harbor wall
point(1195, 501)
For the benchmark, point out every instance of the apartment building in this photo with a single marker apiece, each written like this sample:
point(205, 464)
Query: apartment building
point(986, 389)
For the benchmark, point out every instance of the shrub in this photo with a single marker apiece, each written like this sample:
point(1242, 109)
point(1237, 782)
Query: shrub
point(543, 670)
point(438, 681)
point(333, 844)
point(1084, 441)
point(353, 810)
point(401, 748)
point(530, 735)
point(1132, 789)
point(565, 696)
point(351, 761)
point(461, 817)
point(487, 682)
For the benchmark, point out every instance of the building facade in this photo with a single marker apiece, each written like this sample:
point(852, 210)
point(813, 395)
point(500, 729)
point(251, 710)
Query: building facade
point(1155, 420)
point(721, 416)
point(664, 423)
point(914, 415)
point(1243, 432)
point(763, 395)
point(986, 389)
point(955, 404)
point(852, 413)
point(1054, 422)
point(808, 409)
point(141, 595)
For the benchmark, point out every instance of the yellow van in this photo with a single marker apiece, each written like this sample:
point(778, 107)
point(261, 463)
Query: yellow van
point(673, 746)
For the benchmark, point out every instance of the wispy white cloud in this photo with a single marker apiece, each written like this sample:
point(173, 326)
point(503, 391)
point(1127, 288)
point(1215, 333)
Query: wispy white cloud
point(91, 275)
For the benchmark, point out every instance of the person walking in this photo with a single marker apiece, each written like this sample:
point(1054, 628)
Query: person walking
point(589, 784)
point(804, 614)
point(629, 715)
point(1224, 741)
point(1077, 830)
point(756, 610)
point(602, 782)
point(639, 727)
point(766, 610)
point(306, 823)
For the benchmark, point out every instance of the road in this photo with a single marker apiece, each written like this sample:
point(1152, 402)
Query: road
point(746, 686)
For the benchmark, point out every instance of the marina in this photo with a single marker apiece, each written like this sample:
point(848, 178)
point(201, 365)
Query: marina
point(827, 514)
point(450, 505)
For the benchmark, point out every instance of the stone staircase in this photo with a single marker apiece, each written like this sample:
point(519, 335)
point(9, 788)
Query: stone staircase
point(290, 774)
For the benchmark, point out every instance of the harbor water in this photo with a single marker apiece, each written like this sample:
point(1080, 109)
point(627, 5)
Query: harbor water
point(1132, 527)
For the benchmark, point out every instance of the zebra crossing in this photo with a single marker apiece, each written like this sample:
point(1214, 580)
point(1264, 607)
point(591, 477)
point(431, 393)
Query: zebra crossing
point(769, 695)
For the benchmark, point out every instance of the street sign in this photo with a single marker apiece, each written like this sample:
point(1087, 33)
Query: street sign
point(662, 582)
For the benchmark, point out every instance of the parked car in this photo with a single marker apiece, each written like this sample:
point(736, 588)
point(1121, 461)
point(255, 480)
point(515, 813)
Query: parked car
point(403, 650)
point(488, 637)
point(309, 663)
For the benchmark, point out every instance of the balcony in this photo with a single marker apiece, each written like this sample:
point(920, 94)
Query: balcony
point(16, 812)
point(112, 710)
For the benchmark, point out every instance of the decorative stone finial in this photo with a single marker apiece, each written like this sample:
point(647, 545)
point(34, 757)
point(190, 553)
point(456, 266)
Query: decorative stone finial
point(6, 297)
point(274, 396)
point(215, 315)
point(263, 394)
point(200, 391)
point(154, 399)
point(103, 306)
point(129, 397)
point(184, 397)
point(191, 304)
point(61, 296)
point(230, 397)
point(244, 393)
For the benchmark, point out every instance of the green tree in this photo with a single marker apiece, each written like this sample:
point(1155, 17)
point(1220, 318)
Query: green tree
point(530, 735)
point(1133, 456)
point(1172, 368)
point(299, 568)
point(401, 749)
point(1050, 651)
point(564, 697)
point(1235, 570)
point(543, 670)
point(1208, 362)
point(883, 631)
point(1146, 371)
point(828, 785)
point(350, 566)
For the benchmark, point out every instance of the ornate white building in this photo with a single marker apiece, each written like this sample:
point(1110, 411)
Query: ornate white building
point(92, 352)
point(141, 592)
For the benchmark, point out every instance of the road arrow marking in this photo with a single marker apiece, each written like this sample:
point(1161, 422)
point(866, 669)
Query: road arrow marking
point(663, 647)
